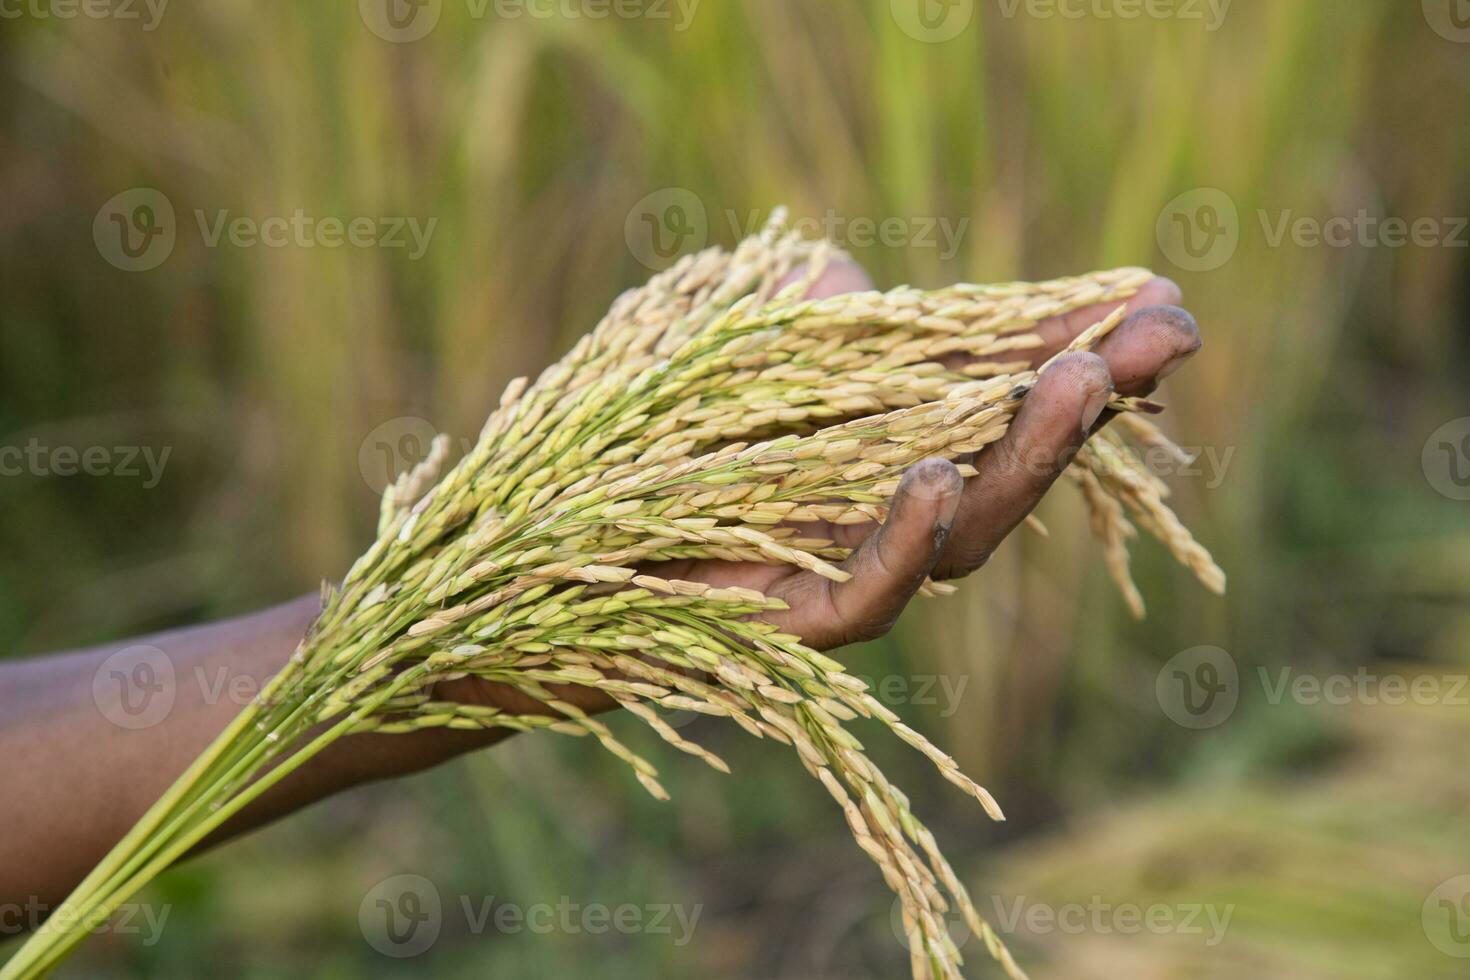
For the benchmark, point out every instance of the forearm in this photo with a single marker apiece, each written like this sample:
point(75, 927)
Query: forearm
point(90, 739)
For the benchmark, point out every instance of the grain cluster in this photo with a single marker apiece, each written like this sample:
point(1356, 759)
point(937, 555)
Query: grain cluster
point(712, 414)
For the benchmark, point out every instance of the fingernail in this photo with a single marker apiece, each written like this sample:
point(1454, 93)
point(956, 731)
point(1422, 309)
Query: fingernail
point(937, 480)
point(1096, 402)
point(949, 505)
point(1173, 364)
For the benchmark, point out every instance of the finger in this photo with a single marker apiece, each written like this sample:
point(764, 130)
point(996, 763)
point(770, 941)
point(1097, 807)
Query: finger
point(1057, 332)
point(1145, 348)
point(1155, 326)
point(887, 569)
point(1149, 346)
point(1017, 470)
point(842, 275)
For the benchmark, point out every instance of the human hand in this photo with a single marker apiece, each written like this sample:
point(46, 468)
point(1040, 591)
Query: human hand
point(940, 523)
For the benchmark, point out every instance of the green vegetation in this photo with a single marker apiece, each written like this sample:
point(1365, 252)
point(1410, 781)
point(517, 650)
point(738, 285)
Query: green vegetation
point(1056, 144)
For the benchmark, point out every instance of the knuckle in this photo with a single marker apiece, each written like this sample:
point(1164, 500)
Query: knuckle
point(961, 562)
point(857, 631)
point(1034, 461)
point(872, 629)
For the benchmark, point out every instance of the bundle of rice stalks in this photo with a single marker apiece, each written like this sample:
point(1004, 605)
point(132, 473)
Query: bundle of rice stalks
point(707, 416)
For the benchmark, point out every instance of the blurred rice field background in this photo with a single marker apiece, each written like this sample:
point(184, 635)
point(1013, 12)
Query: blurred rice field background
point(551, 156)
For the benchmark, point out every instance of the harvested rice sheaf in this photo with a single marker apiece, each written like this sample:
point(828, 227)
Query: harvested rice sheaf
point(706, 416)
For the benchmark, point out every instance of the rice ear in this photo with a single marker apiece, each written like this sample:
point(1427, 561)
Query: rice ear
point(707, 416)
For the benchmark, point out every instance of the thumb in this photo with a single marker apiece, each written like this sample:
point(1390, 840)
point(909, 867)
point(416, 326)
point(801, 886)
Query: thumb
point(887, 569)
